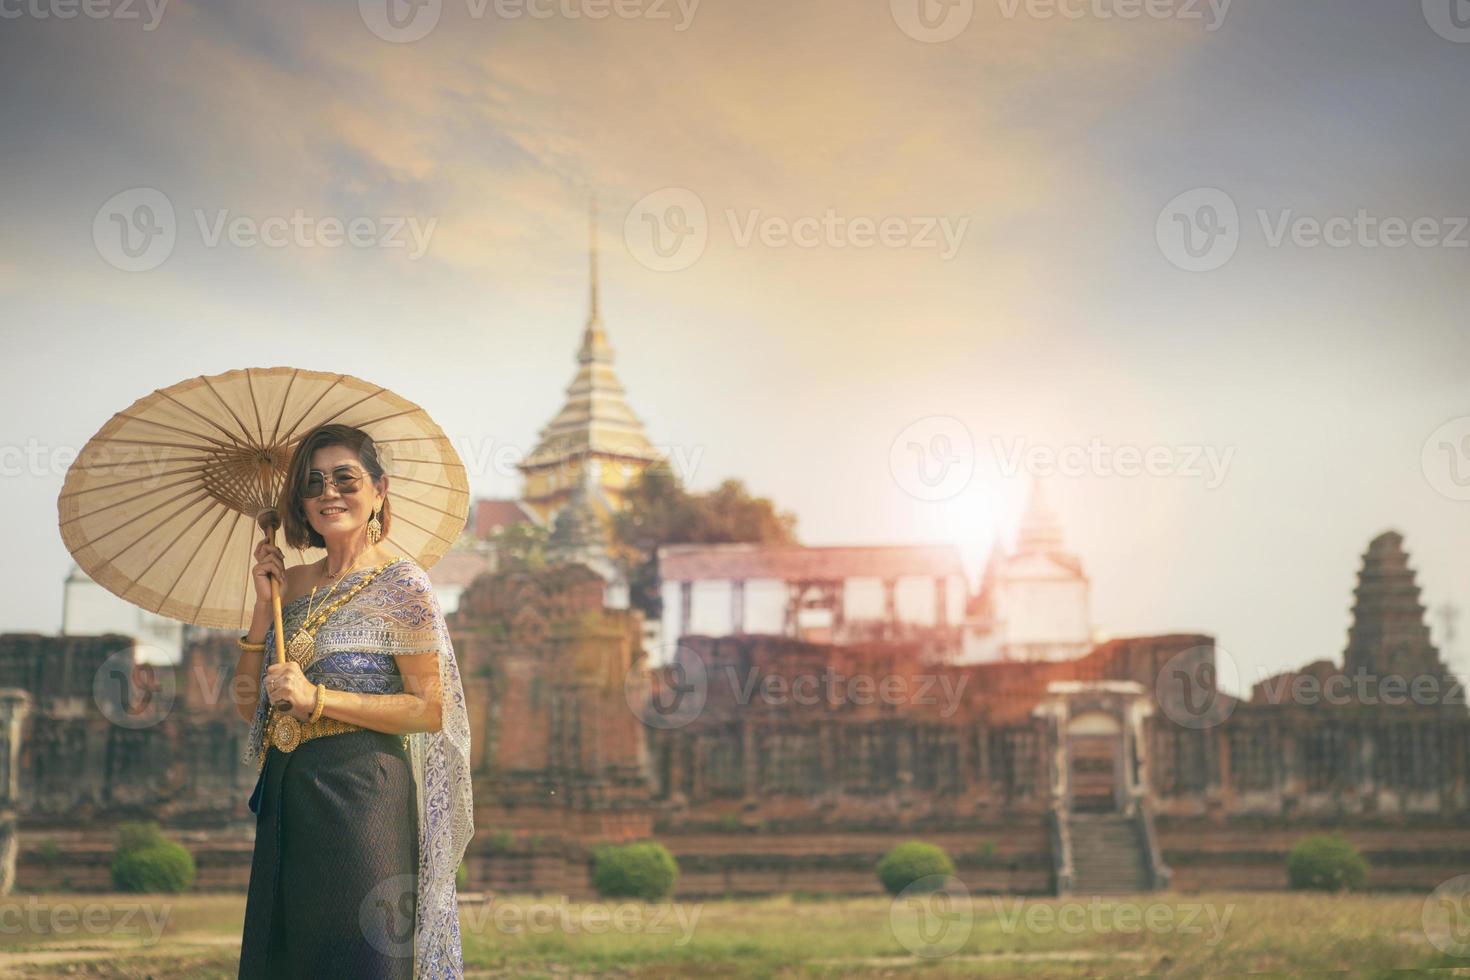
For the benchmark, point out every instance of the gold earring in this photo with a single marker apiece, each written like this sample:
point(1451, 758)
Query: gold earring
point(374, 530)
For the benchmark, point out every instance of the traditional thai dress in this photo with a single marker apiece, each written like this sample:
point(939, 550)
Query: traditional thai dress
point(359, 833)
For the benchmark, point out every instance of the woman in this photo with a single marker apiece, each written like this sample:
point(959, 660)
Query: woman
point(363, 805)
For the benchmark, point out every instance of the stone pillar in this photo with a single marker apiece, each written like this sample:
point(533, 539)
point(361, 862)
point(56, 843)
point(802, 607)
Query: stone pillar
point(982, 760)
point(686, 603)
point(14, 703)
point(737, 607)
point(904, 764)
point(696, 770)
point(1227, 771)
point(941, 601)
point(749, 764)
point(831, 789)
point(1291, 770)
point(679, 766)
point(963, 761)
point(890, 606)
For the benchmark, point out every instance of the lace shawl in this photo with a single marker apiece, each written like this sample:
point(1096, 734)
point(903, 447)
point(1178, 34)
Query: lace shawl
point(398, 614)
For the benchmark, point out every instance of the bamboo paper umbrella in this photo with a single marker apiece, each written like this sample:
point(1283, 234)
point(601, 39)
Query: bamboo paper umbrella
point(161, 505)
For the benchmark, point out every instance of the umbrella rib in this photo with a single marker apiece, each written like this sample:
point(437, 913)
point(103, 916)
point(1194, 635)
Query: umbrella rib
point(130, 500)
point(438, 510)
point(173, 428)
point(250, 387)
point(132, 544)
point(138, 579)
point(136, 479)
point(207, 535)
point(412, 439)
point(155, 443)
point(220, 398)
point(224, 549)
point(232, 437)
point(426, 462)
point(384, 418)
point(347, 408)
point(423, 483)
point(312, 407)
point(432, 534)
point(290, 383)
point(443, 461)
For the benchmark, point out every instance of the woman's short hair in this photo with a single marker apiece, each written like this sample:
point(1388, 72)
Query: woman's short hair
point(299, 532)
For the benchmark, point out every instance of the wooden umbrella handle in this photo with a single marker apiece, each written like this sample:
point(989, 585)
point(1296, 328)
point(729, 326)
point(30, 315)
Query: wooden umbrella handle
point(269, 520)
point(276, 612)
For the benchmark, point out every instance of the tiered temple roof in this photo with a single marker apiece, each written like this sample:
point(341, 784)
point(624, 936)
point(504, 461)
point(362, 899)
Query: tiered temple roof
point(596, 417)
point(1389, 634)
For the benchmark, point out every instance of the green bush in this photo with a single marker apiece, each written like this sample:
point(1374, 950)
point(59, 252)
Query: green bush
point(132, 836)
point(161, 867)
point(461, 876)
point(1326, 862)
point(643, 870)
point(910, 861)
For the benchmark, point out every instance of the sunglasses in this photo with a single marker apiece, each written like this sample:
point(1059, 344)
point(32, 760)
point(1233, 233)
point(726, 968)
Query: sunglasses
point(345, 479)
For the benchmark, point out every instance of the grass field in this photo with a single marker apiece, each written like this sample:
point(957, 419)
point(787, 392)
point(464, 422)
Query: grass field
point(1225, 934)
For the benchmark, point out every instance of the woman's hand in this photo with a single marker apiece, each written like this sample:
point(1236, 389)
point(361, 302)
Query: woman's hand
point(270, 563)
point(287, 688)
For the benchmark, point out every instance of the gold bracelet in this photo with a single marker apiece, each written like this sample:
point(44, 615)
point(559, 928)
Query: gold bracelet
point(321, 703)
point(249, 647)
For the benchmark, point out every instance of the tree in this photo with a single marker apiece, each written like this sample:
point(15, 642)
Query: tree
point(521, 545)
point(658, 511)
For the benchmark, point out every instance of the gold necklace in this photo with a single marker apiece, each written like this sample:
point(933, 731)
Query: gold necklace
point(337, 580)
point(302, 647)
point(285, 730)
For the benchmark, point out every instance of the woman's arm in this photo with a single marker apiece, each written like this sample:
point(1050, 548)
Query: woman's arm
point(246, 686)
point(417, 709)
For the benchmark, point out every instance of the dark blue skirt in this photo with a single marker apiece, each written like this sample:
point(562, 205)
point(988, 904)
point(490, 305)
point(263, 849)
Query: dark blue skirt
point(333, 881)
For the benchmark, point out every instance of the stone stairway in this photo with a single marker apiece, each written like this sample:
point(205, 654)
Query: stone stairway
point(1108, 855)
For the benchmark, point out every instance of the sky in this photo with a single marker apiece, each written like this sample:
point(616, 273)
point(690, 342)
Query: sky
point(886, 262)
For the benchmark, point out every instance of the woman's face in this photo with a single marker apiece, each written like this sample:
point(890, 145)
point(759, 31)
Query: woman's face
point(338, 514)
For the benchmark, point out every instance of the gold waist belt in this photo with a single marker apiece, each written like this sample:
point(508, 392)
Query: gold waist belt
point(286, 732)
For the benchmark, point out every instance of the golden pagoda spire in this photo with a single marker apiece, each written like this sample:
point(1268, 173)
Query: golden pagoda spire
point(594, 339)
point(592, 259)
point(595, 430)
